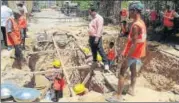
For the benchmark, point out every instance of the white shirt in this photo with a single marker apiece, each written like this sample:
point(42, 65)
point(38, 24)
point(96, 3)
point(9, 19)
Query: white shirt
point(25, 9)
point(5, 14)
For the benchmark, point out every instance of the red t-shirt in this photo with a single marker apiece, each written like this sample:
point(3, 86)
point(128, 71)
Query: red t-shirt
point(59, 84)
point(111, 54)
point(153, 15)
point(22, 22)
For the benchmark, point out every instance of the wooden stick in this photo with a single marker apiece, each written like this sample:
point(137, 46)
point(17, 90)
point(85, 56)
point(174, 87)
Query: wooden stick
point(78, 45)
point(63, 68)
point(57, 70)
point(87, 78)
point(47, 51)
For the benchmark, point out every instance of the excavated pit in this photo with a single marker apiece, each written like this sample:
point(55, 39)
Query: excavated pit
point(159, 70)
point(42, 62)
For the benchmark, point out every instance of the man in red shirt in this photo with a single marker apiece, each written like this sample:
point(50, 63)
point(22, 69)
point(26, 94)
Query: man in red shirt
point(153, 17)
point(111, 53)
point(58, 86)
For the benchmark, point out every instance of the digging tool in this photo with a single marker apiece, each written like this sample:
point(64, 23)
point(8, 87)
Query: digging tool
point(63, 68)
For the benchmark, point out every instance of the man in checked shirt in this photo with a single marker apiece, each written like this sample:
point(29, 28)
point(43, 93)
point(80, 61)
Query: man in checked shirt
point(95, 37)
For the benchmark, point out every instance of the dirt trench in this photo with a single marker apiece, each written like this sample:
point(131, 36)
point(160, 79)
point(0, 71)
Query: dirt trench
point(159, 70)
point(42, 62)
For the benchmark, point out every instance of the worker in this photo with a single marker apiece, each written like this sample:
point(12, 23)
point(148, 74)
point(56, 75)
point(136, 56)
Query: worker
point(153, 18)
point(80, 89)
point(95, 37)
point(56, 65)
point(124, 29)
point(168, 22)
point(58, 86)
point(13, 34)
point(23, 27)
point(133, 52)
point(89, 57)
point(123, 14)
point(86, 51)
point(21, 4)
point(6, 13)
point(111, 53)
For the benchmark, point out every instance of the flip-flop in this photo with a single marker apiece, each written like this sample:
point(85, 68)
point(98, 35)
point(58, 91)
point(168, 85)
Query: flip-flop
point(114, 99)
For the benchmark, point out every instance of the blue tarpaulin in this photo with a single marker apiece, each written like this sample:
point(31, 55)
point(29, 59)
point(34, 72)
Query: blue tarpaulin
point(29, 94)
point(7, 89)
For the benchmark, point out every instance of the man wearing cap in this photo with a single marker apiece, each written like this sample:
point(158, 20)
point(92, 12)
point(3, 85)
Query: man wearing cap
point(134, 50)
point(95, 37)
point(6, 13)
point(13, 34)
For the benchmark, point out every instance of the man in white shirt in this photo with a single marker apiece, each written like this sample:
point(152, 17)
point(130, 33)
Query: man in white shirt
point(6, 13)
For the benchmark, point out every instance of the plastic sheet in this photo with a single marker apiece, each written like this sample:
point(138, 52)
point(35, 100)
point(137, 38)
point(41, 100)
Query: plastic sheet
point(7, 89)
point(26, 95)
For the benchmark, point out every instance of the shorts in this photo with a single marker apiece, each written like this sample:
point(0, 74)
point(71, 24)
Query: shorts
point(111, 62)
point(137, 61)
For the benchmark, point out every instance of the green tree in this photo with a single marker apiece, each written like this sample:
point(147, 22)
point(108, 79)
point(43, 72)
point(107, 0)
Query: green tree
point(84, 5)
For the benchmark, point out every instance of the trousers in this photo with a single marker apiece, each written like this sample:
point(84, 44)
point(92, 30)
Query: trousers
point(97, 47)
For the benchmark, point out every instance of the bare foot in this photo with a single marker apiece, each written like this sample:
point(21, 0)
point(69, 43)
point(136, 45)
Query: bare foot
point(131, 91)
point(116, 95)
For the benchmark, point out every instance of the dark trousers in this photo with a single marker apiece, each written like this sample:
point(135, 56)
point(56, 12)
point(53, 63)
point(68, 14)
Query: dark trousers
point(18, 52)
point(166, 33)
point(23, 35)
point(58, 94)
point(3, 29)
point(97, 48)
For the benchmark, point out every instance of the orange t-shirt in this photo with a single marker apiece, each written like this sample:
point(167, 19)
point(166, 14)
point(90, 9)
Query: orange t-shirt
point(22, 22)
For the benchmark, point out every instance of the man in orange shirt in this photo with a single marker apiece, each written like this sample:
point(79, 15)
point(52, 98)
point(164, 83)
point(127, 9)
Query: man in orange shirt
point(153, 17)
point(168, 23)
point(13, 33)
point(135, 49)
point(23, 26)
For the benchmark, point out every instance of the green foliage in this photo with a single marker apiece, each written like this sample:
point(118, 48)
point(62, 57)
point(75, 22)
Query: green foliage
point(84, 5)
point(124, 4)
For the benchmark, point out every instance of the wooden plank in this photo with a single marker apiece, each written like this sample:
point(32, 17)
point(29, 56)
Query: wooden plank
point(78, 45)
point(47, 51)
point(112, 80)
point(55, 70)
point(64, 69)
point(87, 78)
